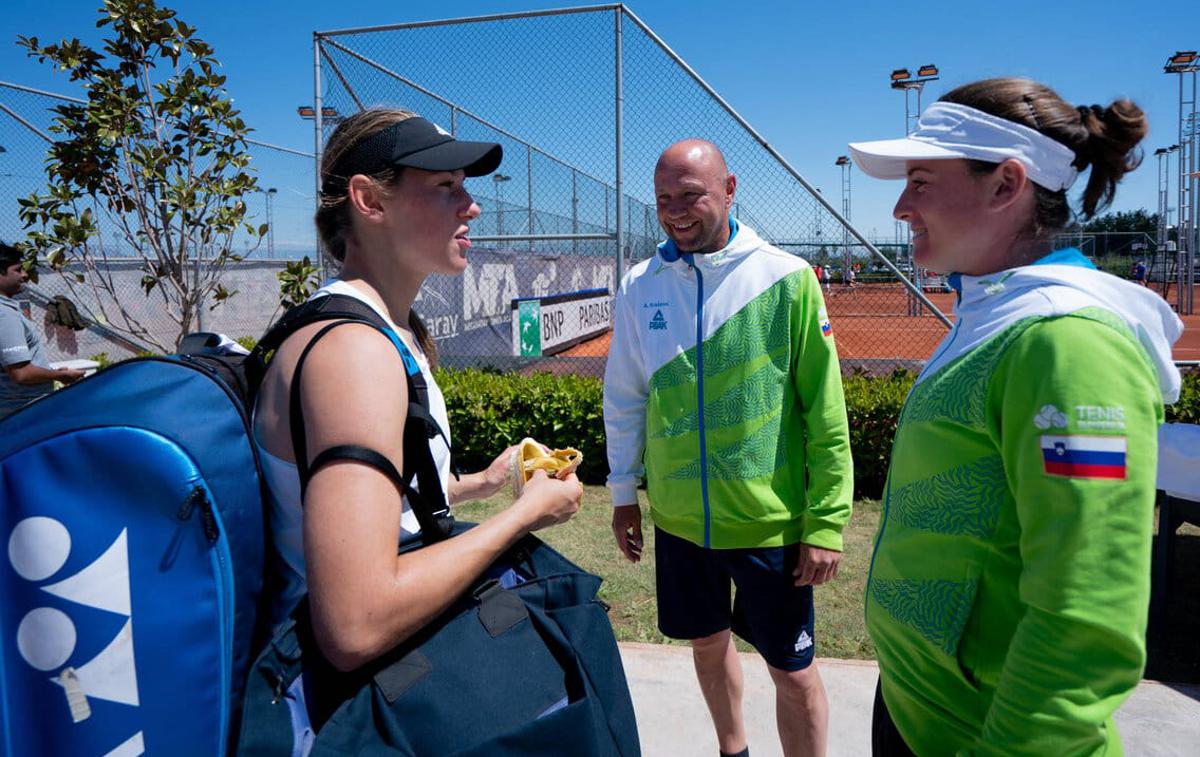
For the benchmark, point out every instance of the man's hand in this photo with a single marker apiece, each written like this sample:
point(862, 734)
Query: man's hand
point(816, 565)
point(68, 375)
point(627, 527)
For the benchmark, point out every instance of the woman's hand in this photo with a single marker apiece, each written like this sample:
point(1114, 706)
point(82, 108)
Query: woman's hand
point(495, 476)
point(485, 483)
point(548, 501)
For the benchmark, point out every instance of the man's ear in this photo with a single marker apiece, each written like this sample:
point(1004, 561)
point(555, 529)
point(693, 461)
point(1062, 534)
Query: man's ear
point(1009, 183)
point(730, 190)
point(364, 196)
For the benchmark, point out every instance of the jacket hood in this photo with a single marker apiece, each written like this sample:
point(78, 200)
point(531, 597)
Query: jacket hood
point(1069, 282)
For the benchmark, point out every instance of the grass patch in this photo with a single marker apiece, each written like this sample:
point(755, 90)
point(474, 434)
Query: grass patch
point(588, 541)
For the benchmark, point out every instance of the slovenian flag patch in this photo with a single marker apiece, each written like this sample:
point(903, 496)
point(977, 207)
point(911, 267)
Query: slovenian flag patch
point(826, 329)
point(1084, 456)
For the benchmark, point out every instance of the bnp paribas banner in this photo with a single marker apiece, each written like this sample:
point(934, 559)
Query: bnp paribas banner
point(472, 314)
point(549, 325)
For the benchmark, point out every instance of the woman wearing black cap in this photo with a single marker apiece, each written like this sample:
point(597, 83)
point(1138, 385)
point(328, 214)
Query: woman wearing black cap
point(393, 210)
point(1010, 581)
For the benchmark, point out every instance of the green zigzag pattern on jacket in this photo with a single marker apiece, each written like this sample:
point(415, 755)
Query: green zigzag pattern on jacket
point(938, 610)
point(963, 501)
point(961, 395)
point(762, 326)
point(759, 394)
point(753, 456)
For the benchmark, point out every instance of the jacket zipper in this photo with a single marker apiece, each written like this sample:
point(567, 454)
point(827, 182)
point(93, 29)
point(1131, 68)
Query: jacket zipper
point(700, 400)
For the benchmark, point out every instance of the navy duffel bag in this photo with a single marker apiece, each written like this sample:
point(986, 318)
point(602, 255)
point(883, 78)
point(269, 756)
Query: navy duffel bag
point(526, 663)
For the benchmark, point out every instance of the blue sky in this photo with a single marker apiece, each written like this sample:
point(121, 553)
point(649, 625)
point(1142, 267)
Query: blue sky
point(808, 76)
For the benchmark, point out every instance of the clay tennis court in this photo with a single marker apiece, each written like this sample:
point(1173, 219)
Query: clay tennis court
point(872, 325)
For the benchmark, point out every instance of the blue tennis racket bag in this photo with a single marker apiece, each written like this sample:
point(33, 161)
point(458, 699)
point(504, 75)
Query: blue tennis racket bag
point(131, 517)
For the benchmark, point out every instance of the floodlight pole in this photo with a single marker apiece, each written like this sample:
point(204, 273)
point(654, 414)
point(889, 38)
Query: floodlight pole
point(270, 195)
point(497, 180)
point(906, 82)
point(847, 259)
point(1186, 63)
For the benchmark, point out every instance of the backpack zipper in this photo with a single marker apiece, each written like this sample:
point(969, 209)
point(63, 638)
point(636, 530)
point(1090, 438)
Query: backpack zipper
point(198, 497)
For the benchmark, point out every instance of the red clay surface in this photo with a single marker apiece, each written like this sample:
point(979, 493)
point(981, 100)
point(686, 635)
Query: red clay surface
point(873, 323)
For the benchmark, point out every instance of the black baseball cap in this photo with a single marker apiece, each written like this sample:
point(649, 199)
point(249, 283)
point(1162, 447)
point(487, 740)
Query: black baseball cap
point(415, 143)
point(9, 255)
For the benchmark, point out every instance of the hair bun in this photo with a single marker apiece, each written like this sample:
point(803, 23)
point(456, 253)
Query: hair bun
point(1111, 148)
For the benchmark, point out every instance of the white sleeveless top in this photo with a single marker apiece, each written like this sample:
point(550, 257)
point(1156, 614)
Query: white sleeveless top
point(283, 481)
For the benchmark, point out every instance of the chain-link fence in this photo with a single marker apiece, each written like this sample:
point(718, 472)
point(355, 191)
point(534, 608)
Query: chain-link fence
point(584, 101)
point(285, 202)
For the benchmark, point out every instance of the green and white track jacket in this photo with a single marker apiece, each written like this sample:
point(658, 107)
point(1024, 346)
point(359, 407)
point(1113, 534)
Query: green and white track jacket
point(723, 377)
point(1009, 586)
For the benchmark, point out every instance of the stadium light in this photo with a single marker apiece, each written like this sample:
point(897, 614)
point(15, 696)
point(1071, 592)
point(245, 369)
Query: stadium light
point(841, 160)
point(900, 74)
point(1182, 62)
point(928, 70)
point(328, 113)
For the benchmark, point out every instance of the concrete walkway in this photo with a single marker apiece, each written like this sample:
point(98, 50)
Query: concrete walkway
point(673, 722)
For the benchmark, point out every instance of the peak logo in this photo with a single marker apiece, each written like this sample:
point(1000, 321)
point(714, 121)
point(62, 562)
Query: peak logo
point(658, 322)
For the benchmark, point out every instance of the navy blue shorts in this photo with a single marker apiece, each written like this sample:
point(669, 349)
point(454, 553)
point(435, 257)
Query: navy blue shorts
point(769, 611)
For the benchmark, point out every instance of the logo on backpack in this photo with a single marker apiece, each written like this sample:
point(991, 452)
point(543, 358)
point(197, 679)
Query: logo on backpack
point(658, 322)
point(38, 547)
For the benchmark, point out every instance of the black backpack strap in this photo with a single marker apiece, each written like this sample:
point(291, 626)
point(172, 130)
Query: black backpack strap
point(360, 454)
point(428, 501)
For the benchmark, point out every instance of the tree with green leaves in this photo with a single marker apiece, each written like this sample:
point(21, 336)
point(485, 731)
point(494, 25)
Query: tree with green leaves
point(157, 153)
point(1139, 220)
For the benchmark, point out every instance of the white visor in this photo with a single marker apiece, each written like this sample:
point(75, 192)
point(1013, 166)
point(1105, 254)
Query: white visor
point(949, 130)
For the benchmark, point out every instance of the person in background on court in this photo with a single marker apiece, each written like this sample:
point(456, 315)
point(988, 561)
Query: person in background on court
point(723, 379)
point(1139, 272)
point(27, 374)
point(1008, 591)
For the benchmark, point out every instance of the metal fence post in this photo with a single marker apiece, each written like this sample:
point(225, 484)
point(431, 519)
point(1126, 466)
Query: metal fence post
point(317, 147)
point(620, 125)
point(529, 192)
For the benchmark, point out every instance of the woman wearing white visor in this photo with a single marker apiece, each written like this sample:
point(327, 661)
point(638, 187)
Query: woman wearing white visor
point(1010, 581)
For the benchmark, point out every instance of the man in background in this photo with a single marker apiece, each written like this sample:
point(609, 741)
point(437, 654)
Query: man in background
point(723, 380)
point(26, 374)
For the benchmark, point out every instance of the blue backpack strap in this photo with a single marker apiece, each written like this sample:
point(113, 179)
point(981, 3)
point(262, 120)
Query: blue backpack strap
point(428, 501)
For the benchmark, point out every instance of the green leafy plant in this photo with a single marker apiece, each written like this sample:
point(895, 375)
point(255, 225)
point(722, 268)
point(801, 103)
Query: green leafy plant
point(873, 405)
point(297, 281)
point(489, 411)
point(1187, 409)
point(159, 152)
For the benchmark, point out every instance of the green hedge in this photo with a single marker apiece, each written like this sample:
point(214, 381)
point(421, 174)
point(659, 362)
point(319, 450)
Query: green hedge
point(489, 411)
point(1187, 409)
point(873, 408)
